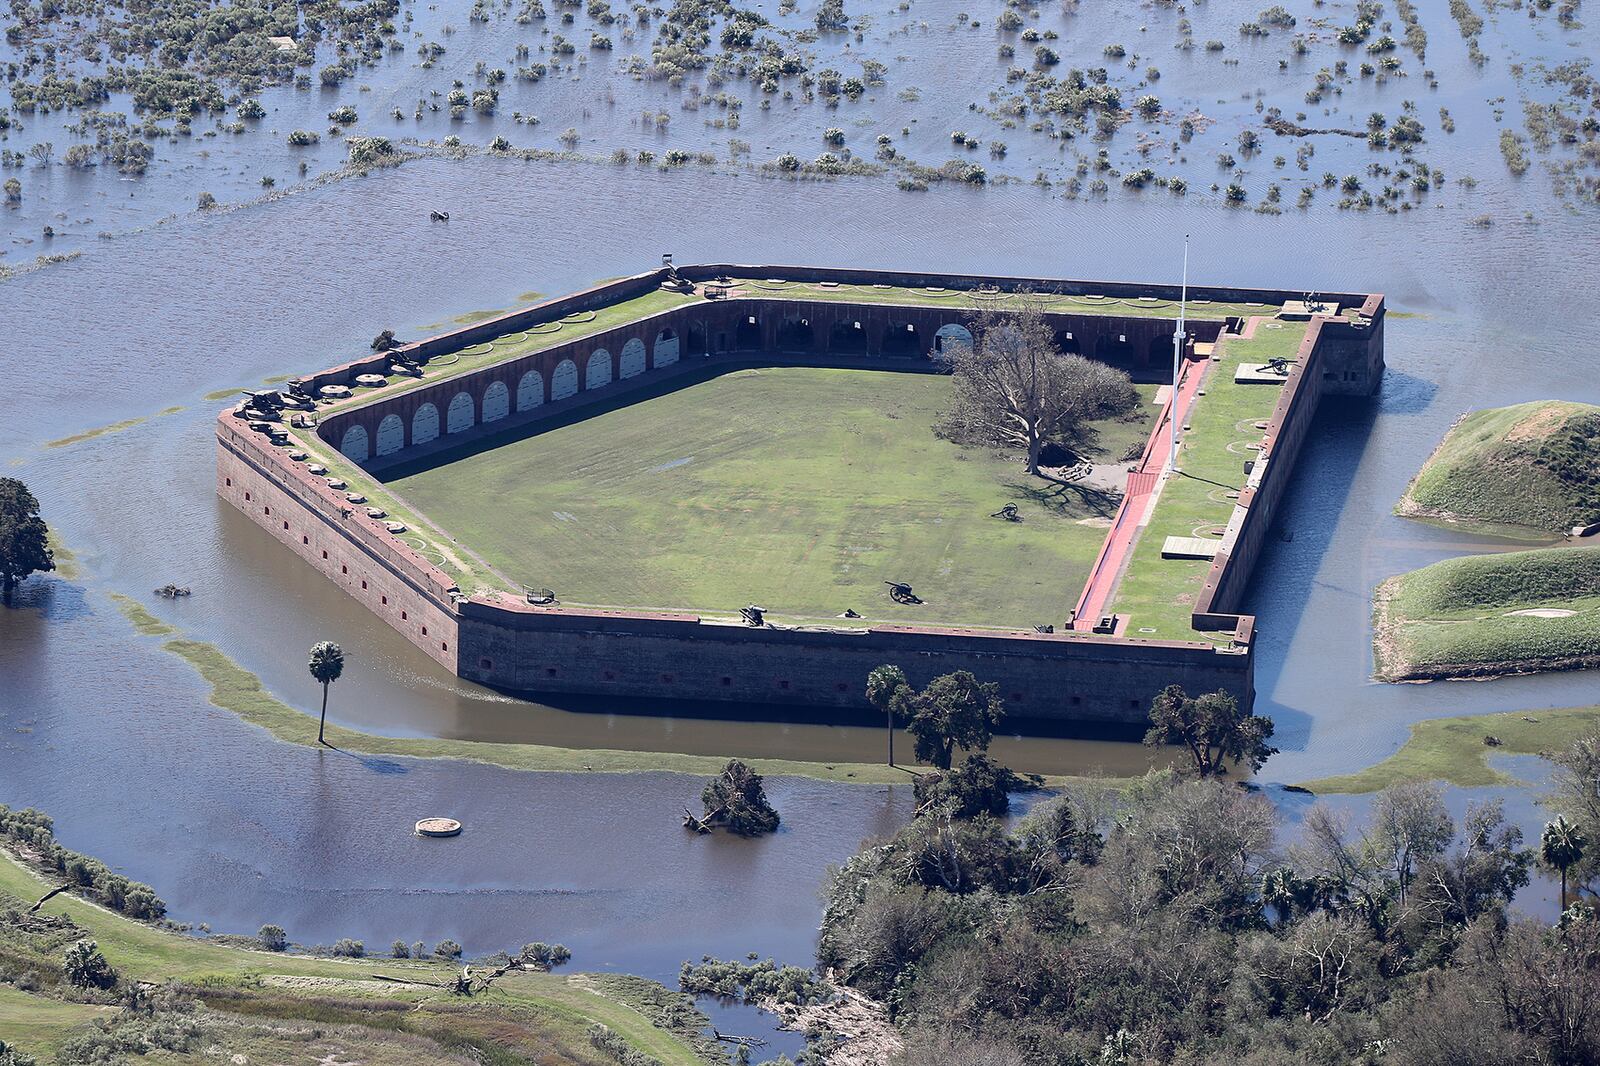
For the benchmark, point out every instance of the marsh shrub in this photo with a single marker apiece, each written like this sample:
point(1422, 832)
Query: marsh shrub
point(399, 950)
point(84, 966)
point(343, 115)
point(347, 948)
point(302, 138)
point(447, 950)
point(273, 938)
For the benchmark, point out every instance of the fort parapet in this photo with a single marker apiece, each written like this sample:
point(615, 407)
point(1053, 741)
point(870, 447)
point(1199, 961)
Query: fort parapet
point(496, 637)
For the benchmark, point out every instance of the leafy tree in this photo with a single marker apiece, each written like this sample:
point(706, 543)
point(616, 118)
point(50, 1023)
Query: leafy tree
point(85, 967)
point(978, 786)
point(1015, 388)
point(736, 800)
point(273, 938)
point(399, 950)
point(955, 710)
point(447, 949)
point(1212, 728)
point(888, 690)
point(327, 663)
point(10, 1056)
point(1561, 847)
point(24, 538)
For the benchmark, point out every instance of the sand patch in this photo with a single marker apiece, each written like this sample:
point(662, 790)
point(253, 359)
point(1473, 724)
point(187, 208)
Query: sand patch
point(1543, 422)
point(1544, 612)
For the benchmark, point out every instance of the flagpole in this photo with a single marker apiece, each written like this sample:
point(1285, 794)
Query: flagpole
point(1177, 363)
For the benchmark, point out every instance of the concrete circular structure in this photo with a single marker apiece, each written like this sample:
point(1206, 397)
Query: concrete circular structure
point(438, 827)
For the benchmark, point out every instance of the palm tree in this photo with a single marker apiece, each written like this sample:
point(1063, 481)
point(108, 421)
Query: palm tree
point(327, 663)
point(1561, 846)
point(885, 686)
point(1279, 889)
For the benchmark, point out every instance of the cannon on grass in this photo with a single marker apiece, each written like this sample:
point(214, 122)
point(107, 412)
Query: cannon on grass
point(1008, 512)
point(540, 597)
point(753, 615)
point(901, 592)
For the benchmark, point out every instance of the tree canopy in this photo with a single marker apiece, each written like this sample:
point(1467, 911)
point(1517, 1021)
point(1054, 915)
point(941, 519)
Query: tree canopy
point(24, 538)
point(736, 800)
point(1211, 728)
point(954, 710)
point(1016, 388)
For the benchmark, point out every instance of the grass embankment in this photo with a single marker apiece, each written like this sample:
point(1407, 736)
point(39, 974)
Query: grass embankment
point(800, 489)
point(1454, 750)
point(269, 1007)
point(1529, 470)
point(1471, 617)
point(1159, 594)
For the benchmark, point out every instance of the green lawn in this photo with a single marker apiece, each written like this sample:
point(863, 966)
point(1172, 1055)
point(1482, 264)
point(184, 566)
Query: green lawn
point(1460, 617)
point(800, 489)
point(1527, 470)
point(1159, 594)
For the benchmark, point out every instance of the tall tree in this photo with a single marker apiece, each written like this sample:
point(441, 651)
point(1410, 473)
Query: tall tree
point(1212, 728)
point(1561, 847)
point(888, 691)
point(1016, 388)
point(327, 663)
point(24, 538)
point(955, 710)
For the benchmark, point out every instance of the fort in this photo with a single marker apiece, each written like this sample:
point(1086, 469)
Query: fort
point(1162, 602)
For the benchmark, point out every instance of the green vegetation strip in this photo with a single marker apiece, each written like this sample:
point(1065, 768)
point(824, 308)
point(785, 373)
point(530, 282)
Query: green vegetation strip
point(1454, 749)
point(1470, 617)
point(554, 1009)
point(1159, 594)
point(144, 622)
point(799, 489)
point(115, 427)
point(1531, 469)
point(237, 690)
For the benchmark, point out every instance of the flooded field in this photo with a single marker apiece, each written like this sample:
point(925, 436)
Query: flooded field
point(152, 329)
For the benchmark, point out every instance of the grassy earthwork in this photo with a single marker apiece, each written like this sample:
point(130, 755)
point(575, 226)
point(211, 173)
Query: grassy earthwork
point(272, 1007)
point(799, 489)
point(1490, 615)
point(1531, 470)
point(1157, 595)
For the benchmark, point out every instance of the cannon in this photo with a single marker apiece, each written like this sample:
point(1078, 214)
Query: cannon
point(540, 597)
point(901, 592)
point(753, 615)
point(1008, 512)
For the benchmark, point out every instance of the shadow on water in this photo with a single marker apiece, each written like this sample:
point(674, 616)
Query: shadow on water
point(1291, 562)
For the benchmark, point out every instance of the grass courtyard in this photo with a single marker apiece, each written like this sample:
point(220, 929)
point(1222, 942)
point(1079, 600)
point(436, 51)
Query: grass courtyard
point(799, 489)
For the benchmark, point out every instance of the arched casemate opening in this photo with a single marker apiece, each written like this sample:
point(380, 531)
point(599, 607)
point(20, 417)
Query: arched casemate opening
point(666, 348)
point(597, 372)
point(796, 335)
point(631, 361)
point(496, 402)
point(902, 340)
point(462, 414)
point(530, 390)
point(391, 434)
point(847, 338)
point(425, 424)
point(951, 336)
point(564, 382)
point(354, 444)
point(747, 336)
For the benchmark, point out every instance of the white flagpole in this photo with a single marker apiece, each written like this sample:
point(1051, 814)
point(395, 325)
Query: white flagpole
point(1177, 363)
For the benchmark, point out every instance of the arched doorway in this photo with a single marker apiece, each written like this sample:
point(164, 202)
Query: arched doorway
point(354, 445)
point(747, 336)
point(666, 348)
point(597, 372)
point(847, 338)
point(796, 335)
point(461, 413)
point(901, 341)
point(632, 359)
point(391, 434)
point(425, 424)
point(496, 402)
point(530, 390)
point(950, 336)
point(564, 382)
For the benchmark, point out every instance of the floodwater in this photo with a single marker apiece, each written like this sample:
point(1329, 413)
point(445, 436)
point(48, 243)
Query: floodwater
point(115, 738)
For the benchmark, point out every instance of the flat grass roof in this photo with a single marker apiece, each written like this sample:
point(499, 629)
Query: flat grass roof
point(799, 489)
point(1158, 595)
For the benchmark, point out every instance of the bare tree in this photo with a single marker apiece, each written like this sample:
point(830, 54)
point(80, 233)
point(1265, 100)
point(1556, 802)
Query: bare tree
point(1015, 388)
